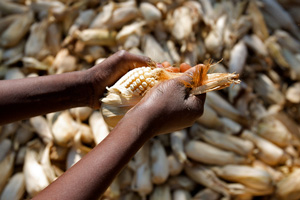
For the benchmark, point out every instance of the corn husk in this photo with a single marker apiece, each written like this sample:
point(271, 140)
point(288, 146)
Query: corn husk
point(207, 194)
point(15, 188)
point(23, 134)
point(161, 192)
point(181, 182)
point(17, 30)
point(159, 163)
point(74, 155)
point(142, 178)
point(113, 191)
point(274, 131)
point(206, 177)
point(177, 144)
point(36, 43)
point(268, 152)
point(208, 154)
point(223, 141)
point(63, 129)
point(175, 166)
point(125, 178)
point(42, 128)
point(20, 157)
point(5, 147)
point(251, 177)
point(35, 176)
point(98, 126)
point(8, 130)
point(6, 166)
point(288, 188)
point(181, 195)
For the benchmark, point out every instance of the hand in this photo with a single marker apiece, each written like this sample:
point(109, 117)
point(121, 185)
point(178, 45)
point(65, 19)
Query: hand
point(112, 69)
point(169, 106)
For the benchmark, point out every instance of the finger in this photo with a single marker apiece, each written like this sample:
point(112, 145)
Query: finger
point(184, 67)
point(172, 69)
point(196, 104)
point(166, 64)
point(138, 60)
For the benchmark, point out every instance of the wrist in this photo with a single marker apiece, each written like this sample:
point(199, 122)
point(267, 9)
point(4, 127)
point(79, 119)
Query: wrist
point(139, 118)
point(96, 87)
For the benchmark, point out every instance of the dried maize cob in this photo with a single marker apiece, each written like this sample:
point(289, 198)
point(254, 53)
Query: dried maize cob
point(15, 188)
point(130, 89)
point(159, 163)
point(206, 153)
point(249, 176)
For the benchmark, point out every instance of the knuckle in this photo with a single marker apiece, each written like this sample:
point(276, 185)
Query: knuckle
point(122, 54)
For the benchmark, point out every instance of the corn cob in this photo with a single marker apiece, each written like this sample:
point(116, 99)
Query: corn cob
point(207, 177)
point(6, 169)
point(175, 167)
point(15, 188)
point(288, 188)
point(35, 177)
point(159, 163)
point(181, 182)
point(161, 192)
point(206, 153)
point(5, 146)
point(130, 89)
point(181, 194)
point(249, 176)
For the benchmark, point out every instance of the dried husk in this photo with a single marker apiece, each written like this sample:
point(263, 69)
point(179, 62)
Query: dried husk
point(8, 130)
point(74, 155)
point(36, 43)
point(81, 113)
point(14, 73)
point(249, 176)
point(96, 37)
point(207, 177)
point(181, 182)
point(42, 128)
point(13, 54)
point(222, 107)
point(177, 144)
point(35, 176)
point(181, 194)
point(6, 169)
point(63, 129)
point(142, 183)
point(98, 126)
point(175, 166)
point(268, 152)
point(273, 130)
point(5, 147)
point(207, 194)
point(17, 30)
point(208, 154)
point(23, 134)
point(21, 155)
point(223, 141)
point(159, 163)
point(150, 12)
point(64, 62)
point(288, 188)
point(15, 188)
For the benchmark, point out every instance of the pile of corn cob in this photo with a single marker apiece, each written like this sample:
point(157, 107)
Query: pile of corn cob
point(245, 145)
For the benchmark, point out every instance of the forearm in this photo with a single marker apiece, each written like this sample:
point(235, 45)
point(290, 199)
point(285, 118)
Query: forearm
point(90, 177)
point(24, 98)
